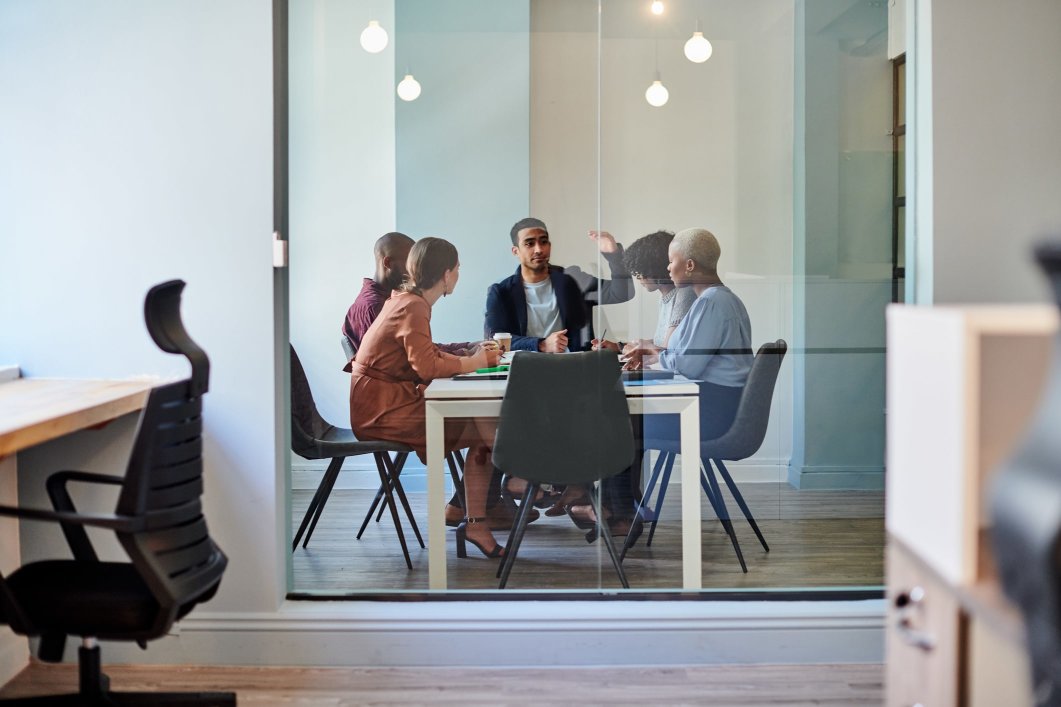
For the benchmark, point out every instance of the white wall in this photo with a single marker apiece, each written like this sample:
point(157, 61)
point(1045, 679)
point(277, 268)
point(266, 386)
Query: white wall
point(991, 134)
point(342, 194)
point(137, 143)
point(463, 146)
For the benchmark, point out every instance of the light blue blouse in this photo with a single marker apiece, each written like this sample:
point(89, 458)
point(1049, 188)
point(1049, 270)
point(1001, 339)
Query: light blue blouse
point(717, 321)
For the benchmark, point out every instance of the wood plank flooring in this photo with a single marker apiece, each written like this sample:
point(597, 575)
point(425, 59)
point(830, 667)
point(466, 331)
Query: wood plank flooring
point(817, 539)
point(719, 686)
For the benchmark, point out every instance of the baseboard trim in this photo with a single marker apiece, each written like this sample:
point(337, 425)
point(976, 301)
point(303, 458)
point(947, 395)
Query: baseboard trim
point(837, 478)
point(528, 634)
point(361, 474)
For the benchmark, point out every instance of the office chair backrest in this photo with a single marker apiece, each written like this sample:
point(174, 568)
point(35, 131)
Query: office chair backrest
point(162, 313)
point(163, 482)
point(748, 430)
point(307, 425)
point(564, 418)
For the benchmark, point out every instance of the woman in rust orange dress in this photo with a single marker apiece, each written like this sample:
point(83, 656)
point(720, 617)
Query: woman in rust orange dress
point(397, 359)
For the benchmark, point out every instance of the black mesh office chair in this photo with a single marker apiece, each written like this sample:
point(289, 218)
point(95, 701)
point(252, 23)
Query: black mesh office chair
point(312, 437)
point(173, 565)
point(564, 420)
point(741, 440)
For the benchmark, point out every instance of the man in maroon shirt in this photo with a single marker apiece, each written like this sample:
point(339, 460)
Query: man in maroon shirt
point(391, 252)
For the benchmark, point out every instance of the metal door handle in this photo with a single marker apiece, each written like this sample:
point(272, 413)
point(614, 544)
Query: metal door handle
point(909, 605)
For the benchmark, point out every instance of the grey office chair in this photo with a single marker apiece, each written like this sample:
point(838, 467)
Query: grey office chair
point(173, 562)
point(312, 437)
point(742, 440)
point(564, 420)
point(348, 348)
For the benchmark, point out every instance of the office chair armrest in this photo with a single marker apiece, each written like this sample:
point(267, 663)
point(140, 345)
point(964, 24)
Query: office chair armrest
point(75, 535)
point(61, 477)
point(98, 520)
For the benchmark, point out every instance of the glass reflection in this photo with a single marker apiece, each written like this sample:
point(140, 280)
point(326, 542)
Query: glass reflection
point(777, 144)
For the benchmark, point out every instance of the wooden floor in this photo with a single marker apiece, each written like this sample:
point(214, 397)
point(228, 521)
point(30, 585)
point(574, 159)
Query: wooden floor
point(817, 539)
point(718, 686)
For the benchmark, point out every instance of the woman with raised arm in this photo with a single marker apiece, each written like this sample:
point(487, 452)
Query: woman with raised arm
point(397, 359)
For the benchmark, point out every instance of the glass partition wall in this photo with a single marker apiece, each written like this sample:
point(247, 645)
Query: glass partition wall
point(472, 115)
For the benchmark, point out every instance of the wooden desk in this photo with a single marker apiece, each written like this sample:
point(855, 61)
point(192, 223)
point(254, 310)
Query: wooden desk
point(446, 397)
point(35, 410)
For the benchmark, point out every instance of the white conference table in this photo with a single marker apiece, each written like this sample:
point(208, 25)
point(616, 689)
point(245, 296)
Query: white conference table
point(447, 398)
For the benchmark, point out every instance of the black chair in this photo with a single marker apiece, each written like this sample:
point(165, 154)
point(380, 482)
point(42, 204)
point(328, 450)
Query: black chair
point(564, 420)
point(158, 520)
point(312, 437)
point(741, 440)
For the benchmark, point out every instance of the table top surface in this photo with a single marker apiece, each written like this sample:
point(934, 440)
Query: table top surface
point(35, 410)
point(443, 388)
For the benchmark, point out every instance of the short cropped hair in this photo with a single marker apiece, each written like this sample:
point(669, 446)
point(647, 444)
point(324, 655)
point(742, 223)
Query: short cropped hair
point(647, 257)
point(529, 222)
point(389, 242)
point(698, 245)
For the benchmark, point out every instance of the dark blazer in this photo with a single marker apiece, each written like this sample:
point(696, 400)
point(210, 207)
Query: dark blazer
point(506, 310)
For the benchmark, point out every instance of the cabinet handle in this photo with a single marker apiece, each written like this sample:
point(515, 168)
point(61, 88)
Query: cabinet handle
point(908, 605)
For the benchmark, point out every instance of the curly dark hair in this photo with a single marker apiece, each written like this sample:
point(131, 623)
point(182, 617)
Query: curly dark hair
point(647, 257)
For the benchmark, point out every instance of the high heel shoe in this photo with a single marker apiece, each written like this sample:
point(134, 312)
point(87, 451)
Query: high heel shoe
point(462, 537)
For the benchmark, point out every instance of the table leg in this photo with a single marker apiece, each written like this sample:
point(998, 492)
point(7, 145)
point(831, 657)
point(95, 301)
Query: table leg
point(690, 437)
point(436, 525)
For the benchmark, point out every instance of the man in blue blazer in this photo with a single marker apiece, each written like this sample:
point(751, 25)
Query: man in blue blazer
point(544, 307)
point(547, 309)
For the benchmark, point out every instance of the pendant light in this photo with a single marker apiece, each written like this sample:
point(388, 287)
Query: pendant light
point(657, 94)
point(698, 49)
point(373, 38)
point(408, 88)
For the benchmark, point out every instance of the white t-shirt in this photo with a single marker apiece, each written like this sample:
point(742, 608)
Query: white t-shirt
point(543, 313)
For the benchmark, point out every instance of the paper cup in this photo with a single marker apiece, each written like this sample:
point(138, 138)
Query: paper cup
point(504, 340)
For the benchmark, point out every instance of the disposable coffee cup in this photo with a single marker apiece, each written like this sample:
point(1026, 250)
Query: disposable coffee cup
point(504, 340)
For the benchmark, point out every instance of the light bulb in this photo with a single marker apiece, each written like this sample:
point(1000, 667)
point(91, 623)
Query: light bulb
point(373, 38)
point(657, 7)
point(657, 94)
point(698, 49)
point(409, 88)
